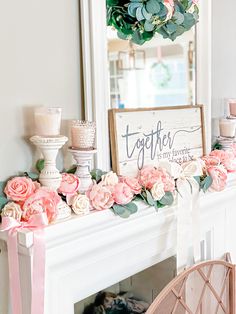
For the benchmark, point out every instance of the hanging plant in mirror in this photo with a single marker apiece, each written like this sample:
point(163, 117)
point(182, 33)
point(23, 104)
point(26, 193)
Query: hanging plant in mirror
point(140, 20)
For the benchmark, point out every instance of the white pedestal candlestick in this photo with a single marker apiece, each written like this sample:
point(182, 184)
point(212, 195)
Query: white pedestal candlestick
point(83, 160)
point(50, 176)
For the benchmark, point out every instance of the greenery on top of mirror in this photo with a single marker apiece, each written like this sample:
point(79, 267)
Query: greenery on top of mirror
point(139, 20)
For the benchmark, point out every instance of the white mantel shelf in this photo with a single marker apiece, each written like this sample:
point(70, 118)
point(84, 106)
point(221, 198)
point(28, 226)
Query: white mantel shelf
point(87, 254)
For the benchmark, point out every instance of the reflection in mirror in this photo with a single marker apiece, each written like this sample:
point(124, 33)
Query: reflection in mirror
point(158, 73)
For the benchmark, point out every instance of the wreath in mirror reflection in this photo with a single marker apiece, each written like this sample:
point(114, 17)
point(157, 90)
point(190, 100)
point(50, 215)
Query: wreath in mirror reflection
point(140, 20)
point(160, 74)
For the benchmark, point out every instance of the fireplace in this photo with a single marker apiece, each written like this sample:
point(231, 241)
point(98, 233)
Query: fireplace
point(88, 254)
point(144, 286)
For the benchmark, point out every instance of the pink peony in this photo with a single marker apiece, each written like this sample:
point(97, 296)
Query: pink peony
point(210, 161)
point(43, 200)
point(69, 184)
point(167, 180)
point(219, 177)
point(122, 194)
point(133, 183)
point(100, 196)
point(19, 189)
point(226, 158)
point(148, 176)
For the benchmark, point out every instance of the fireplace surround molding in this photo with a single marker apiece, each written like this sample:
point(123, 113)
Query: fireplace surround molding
point(87, 254)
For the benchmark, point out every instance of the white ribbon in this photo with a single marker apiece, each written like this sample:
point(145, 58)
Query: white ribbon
point(188, 211)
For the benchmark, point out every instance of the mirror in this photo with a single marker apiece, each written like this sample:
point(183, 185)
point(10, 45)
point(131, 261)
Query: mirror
point(158, 73)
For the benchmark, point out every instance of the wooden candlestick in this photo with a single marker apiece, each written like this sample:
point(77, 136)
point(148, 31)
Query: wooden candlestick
point(50, 176)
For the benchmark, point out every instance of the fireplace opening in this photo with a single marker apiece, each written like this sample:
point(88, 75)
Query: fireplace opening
point(139, 290)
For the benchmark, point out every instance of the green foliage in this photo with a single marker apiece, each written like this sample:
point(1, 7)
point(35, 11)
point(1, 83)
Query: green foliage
point(167, 199)
point(216, 146)
point(124, 211)
point(32, 175)
point(97, 174)
point(72, 169)
point(204, 182)
point(139, 20)
point(40, 165)
point(3, 202)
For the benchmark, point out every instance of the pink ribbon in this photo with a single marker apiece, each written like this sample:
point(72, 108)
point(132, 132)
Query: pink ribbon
point(36, 223)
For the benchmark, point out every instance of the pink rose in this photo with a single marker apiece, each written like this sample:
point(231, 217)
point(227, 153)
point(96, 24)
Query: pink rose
point(195, 1)
point(122, 194)
point(226, 158)
point(19, 189)
point(43, 200)
point(219, 177)
point(69, 184)
point(100, 196)
point(148, 176)
point(133, 183)
point(167, 180)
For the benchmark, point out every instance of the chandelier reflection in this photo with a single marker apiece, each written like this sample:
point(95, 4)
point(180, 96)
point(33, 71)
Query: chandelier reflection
point(132, 59)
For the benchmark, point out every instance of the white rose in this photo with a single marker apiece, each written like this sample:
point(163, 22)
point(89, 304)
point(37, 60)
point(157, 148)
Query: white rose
point(12, 210)
point(110, 178)
point(157, 191)
point(80, 204)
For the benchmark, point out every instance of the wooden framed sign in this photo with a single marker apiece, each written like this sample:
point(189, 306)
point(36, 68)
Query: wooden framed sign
point(145, 136)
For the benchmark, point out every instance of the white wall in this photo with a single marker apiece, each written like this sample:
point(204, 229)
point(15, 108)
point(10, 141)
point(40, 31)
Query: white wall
point(39, 64)
point(223, 54)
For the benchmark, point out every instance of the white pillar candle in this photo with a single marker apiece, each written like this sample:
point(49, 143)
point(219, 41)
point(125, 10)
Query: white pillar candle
point(47, 121)
point(227, 128)
point(232, 107)
point(83, 134)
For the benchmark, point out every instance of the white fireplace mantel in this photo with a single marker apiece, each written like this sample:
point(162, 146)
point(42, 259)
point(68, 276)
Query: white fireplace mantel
point(87, 254)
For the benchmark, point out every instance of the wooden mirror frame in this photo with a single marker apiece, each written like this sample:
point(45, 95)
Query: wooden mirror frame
point(95, 71)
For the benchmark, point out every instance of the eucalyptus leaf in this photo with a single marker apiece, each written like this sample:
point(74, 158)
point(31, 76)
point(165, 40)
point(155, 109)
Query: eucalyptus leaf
point(139, 14)
point(145, 13)
point(72, 169)
point(133, 7)
point(206, 183)
point(132, 207)
point(171, 27)
point(3, 201)
point(122, 35)
point(198, 179)
point(121, 211)
point(2, 186)
point(118, 209)
point(32, 175)
point(125, 215)
point(167, 199)
point(97, 174)
point(153, 6)
point(40, 165)
point(148, 26)
point(179, 18)
point(150, 199)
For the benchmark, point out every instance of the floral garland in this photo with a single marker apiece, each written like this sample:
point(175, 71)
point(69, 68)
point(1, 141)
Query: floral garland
point(140, 20)
point(23, 196)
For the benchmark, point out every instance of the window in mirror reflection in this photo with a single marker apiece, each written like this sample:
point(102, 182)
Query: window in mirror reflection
point(158, 73)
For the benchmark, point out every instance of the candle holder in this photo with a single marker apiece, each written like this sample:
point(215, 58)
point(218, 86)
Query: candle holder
point(83, 160)
point(50, 176)
point(83, 135)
